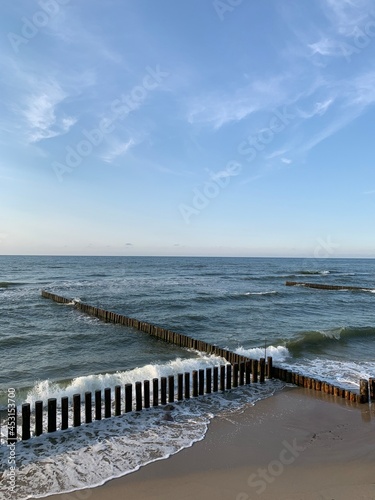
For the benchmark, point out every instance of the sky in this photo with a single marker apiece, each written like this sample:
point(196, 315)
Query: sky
point(195, 127)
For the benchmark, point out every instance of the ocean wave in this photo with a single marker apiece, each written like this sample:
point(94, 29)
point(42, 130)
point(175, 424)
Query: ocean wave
point(315, 338)
point(45, 389)
point(311, 273)
point(210, 298)
point(279, 353)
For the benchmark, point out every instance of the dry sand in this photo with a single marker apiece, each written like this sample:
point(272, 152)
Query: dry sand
point(293, 446)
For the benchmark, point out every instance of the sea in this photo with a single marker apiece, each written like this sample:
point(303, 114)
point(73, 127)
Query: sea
point(49, 350)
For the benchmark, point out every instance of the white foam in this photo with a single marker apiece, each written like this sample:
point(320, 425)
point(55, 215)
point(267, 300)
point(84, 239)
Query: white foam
point(90, 455)
point(45, 389)
point(345, 373)
point(278, 353)
point(272, 292)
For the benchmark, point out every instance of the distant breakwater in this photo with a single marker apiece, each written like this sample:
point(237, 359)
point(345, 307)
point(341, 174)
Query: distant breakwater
point(320, 286)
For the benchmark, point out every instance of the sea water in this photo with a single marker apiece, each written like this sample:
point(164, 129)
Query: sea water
point(52, 350)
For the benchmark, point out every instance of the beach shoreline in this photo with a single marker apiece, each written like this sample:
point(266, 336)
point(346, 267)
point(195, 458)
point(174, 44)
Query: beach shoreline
point(291, 446)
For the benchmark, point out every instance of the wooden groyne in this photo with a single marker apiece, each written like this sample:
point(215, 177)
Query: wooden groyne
point(259, 369)
point(326, 287)
point(239, 371)
point(169, 336)
point(86, 408)
point(365, 394)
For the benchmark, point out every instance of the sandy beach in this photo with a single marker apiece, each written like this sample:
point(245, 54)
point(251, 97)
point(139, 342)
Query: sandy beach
point(293, 446)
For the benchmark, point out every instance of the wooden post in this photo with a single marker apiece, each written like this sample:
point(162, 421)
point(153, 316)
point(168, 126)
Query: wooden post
point(208, 380)
point(146, 393)
point(155, 392)
point(201, 382)
point(38, 418)
point(117, 400)
point(107, 402)
point(254, 370)
point(138, 396)
point(64, 412)
point(195, 383)
point(26, 421)
point(171, 389)
point(216, 379)
point(222, 378)
point(262, 366)
point(180, 386)
point(187, 385)
point(76, 410)
point(363, 391)
point(128, 398)
point(247, 372)
point(229, 376)
point(88, 407)
point(269, 367)
point(235, 374)
point(372, 388)
point(242, 373)
point(52, 407)
point(163, 391)
point(98, 404)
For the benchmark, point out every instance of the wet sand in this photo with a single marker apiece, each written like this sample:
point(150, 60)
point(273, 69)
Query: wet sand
point(293, 446)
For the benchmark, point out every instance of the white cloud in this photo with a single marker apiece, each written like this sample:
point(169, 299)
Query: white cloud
point(327, 47)
point(233, 106)
point(319, 109)
point(275, 154)
point(287, 161)
point(117, 150)
point(345, 15)
point(40, 112)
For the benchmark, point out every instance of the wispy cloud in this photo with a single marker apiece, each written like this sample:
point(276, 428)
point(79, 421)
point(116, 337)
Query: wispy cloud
point(319, 109)
point(287, 161)
point(119, 149)
point(327, 47)
point(41, 113)
point(345, 15)
point(216, 109)
point(276, 154)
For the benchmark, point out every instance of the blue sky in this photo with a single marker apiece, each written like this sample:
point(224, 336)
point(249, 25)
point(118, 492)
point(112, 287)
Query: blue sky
point(199, 127)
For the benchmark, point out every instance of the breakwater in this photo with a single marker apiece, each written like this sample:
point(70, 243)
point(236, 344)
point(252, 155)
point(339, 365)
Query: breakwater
point(320, 286)
point(259, 369)
point(236, 372)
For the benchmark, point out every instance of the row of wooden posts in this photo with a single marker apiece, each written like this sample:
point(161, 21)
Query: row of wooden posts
point(366, 387)
point(366, 391)
point(240, 371)
point(164, 390)
point(178, 339)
